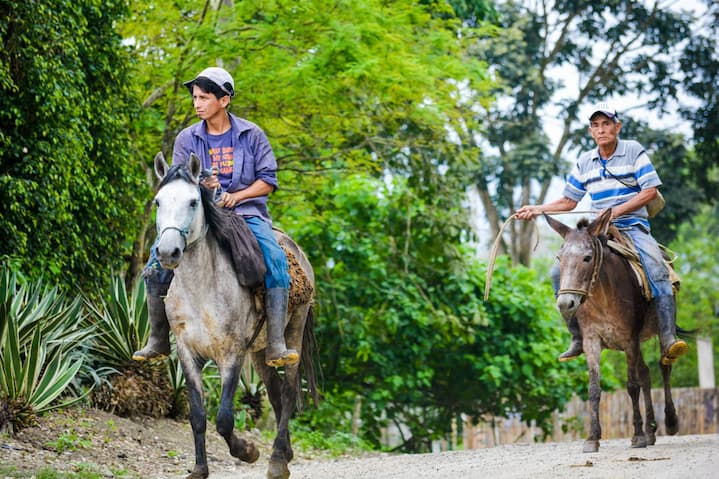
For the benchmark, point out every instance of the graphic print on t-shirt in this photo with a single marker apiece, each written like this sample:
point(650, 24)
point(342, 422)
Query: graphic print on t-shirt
point(222, 158)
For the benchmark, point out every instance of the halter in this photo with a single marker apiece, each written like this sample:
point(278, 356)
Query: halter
point(598, 258)
point(185, 230)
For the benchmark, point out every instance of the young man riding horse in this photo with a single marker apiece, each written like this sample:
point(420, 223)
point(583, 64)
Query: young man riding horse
point(618, 174)
point(244, 170)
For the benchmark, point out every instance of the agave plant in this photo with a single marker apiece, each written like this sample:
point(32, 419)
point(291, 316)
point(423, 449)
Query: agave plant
point(126, 387)
point(40, 339)
point(122, 323)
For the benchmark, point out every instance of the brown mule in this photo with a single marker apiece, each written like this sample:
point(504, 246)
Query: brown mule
point(598, 287)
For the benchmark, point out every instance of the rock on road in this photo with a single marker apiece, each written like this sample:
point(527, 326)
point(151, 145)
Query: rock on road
point(690, 456)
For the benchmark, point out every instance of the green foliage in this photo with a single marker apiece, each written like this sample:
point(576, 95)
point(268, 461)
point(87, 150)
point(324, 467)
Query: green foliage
point(335, 444)
point(68, 190)
point(39, 343)
point(68, 441)
point(414, 340)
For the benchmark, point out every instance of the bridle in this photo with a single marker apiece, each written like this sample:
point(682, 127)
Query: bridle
point(598, 259)
point(185, 230)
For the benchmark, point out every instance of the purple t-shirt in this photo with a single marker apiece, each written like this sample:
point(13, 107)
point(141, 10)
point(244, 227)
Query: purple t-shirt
point(242, 155)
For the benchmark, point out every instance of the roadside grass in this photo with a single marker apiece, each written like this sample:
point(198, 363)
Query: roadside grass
point(82, 471)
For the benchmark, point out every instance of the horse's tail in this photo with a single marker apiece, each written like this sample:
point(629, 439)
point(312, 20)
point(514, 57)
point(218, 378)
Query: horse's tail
point(308, 366)
point(689, 334)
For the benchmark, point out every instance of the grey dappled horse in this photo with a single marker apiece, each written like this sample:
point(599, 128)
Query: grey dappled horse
point(599, 288)
point(214, 317)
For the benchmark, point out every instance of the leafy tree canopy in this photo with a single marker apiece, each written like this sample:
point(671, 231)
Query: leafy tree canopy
point(66, 188)
point(618, 48)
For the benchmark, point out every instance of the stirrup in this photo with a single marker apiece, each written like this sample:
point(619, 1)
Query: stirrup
point(679, 348)
point(571, 353)
point(151, 355)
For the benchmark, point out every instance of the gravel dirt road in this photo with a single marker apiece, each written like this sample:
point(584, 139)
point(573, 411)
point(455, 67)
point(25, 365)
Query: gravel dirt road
point(163, 449)
point(692, 457)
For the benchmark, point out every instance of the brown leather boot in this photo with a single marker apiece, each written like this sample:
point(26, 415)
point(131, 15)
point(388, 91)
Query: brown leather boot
point(277, 354)
point(575, 348)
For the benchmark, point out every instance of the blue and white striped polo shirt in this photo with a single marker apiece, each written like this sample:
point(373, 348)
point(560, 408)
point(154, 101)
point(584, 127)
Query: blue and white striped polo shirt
point(600, 178)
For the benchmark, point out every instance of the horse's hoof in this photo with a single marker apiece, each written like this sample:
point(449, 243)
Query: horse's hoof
point(651, 438)
point(278, 470)
point(250, 454)
point(591, 445)
point(199, 472)
point(243, 450)
point(639, 441)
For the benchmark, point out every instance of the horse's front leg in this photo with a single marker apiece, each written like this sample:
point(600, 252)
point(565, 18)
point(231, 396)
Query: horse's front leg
point(192, 368)
point(225, 423)
point(633, 354)
point(592, 351)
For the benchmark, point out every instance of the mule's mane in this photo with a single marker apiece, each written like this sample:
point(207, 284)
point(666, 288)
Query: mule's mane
point(582, 223)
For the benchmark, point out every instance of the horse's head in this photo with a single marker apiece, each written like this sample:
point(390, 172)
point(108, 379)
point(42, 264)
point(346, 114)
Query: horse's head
point(180, 218)
point(579, 260)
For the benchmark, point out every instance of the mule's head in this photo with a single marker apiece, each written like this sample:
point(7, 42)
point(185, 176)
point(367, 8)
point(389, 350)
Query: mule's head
point(579, 260)
point(180, 217)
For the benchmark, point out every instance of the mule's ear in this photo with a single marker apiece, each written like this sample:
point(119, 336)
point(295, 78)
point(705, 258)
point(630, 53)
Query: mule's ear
point(161, 166)
point(557, 226)
point(600, 225)
point(195, 167)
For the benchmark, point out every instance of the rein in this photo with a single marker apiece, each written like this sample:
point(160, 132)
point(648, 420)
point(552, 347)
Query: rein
point(497, 240)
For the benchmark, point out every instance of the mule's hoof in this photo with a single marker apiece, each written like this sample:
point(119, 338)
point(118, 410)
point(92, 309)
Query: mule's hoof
point(591, 445)
point(639, 441)
point(671, 425)
point(651, 438)
point(199, 472)
point(289, 358)
point(679, 348)
point(278, 470)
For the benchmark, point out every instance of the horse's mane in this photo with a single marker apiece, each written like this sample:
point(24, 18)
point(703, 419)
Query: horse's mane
point(230, 230)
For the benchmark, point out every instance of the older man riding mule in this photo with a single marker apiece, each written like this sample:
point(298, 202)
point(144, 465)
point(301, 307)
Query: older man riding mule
point(619, 175)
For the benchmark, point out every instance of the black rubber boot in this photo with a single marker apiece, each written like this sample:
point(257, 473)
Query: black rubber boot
point(575, 348)
point(277, 354)
point(672, 347)
point(158, 346)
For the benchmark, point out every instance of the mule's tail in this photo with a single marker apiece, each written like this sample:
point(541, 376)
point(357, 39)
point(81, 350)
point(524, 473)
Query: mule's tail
point(309, 367)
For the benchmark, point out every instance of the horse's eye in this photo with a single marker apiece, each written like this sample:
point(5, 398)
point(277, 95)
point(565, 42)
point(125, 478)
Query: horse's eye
point(193, 204)
point(587, 259)
point(155, 202)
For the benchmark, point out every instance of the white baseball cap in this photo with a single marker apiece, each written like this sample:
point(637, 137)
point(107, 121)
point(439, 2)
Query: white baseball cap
point(218, 76)
point(605, 108)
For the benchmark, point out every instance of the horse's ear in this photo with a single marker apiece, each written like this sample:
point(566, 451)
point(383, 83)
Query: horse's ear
point(195, 167)
point(161, 166)
point(600, 225)
point(557, 226)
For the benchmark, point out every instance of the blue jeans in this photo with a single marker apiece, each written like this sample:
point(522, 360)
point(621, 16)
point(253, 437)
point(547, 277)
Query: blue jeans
point(652, 261)
point(157, 279)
